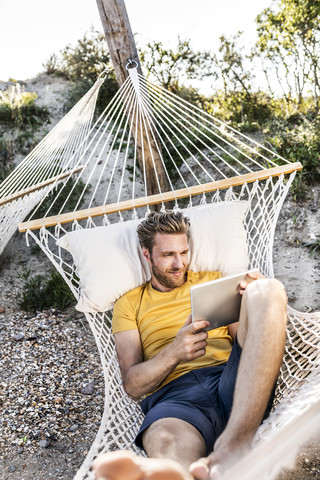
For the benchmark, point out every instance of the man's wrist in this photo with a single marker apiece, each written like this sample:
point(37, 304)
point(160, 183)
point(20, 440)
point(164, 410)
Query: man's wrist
point(171, 355)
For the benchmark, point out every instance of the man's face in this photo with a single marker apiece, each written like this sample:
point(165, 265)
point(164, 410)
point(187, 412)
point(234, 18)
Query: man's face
point(168, 261)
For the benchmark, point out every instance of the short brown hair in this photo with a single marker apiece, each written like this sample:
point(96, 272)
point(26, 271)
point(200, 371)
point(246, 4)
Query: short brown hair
point(162, 222)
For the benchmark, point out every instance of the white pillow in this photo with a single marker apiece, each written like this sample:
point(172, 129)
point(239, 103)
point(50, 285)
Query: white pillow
point(109, 260)
point(218, 238)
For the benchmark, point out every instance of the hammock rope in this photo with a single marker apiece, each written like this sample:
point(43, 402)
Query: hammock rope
point(137, 119)
point(205, 161)
point(52, 156)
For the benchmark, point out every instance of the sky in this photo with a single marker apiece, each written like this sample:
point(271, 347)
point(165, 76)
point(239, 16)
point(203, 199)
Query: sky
point(32, 30)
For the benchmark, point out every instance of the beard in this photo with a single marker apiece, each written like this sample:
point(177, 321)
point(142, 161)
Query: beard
point(166, 279)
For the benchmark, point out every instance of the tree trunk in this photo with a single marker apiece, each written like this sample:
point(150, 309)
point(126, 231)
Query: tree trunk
point(122, 48)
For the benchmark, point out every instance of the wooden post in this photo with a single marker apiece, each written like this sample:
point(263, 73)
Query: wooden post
point(117, 29)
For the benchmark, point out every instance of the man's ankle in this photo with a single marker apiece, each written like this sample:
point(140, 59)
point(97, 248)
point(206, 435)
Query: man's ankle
point(233, 443)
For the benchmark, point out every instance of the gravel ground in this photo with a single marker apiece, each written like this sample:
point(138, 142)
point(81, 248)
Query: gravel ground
point(51, 394)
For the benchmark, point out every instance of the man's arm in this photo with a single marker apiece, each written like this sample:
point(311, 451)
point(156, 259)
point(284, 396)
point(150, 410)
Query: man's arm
point(139, 377)
point(233, 328)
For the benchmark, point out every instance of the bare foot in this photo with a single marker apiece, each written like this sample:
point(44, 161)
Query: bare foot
point(218, 462)
point(206, 468)
point(125, 465)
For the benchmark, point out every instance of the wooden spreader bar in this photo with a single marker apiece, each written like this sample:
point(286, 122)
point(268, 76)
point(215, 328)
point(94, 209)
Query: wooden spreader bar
point(159, 198)
point(38, 186)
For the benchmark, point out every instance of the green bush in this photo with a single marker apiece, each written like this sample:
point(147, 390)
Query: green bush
point(18, 108)
point(20, 118)
point(297, 139)
point(41, 292)
point(246, 112)
point(190, 94)
point(82, 63)
point(298, 142)
point(84, 60)
point(299, 186)
point(80, 87)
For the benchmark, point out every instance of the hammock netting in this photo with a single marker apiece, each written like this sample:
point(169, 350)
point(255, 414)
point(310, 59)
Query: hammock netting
point(46, 166)
point(195, 159)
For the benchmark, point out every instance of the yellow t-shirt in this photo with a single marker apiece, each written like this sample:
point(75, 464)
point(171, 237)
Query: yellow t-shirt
point(159, 315)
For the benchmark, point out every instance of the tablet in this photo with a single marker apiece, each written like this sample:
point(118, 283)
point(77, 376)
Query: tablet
point(218, 301)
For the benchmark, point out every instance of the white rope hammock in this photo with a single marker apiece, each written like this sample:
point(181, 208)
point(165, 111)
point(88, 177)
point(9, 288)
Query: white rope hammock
point(204, 161)
point(41, 171)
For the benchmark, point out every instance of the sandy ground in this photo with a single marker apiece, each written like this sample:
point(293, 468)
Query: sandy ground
point(298, 224)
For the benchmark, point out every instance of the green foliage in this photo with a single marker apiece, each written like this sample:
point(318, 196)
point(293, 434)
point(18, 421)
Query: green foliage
point(82, 64)
point(299, 187)
point(313, 246)
point(173, 67)
point(41, 292)
point(245, 112)
point(230, 64)
point(81, 86)
point(191, 95)
point(18, 108)
point(86, 59)
point(25, 140)
point(297, 139)
point(298, 142)
point(288, 45)
point(20, 117)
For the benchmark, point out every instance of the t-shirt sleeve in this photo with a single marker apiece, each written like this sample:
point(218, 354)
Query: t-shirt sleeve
point(124, 316)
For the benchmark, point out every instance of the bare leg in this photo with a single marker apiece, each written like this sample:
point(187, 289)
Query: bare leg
point(173, 438)
point(261, 334)
point(172, 445)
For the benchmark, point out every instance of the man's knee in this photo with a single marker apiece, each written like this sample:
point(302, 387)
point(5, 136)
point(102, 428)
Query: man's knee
point(174, 438)
point(169, 431)
point(163, 430)
point(266, 289)
point(267, 295)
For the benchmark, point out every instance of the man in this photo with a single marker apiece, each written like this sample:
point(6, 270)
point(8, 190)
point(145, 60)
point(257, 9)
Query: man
point(200, 397)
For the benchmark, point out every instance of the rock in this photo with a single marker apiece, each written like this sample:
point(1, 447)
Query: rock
point(18, 337)
point(74, 427)
point(44, 443)
point(88, 389)
point(12, 469)
point(2, 310)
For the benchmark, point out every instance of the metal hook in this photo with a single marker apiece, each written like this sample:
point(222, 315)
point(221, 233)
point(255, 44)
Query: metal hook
point(105, 72)
point(130, 63)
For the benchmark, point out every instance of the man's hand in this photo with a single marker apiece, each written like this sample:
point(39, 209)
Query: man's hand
point(190, 343)
point(249, 278)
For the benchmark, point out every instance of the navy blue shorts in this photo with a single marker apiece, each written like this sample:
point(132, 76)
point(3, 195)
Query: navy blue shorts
point(201, 397)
